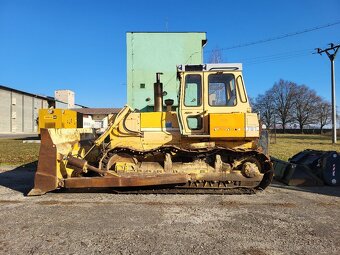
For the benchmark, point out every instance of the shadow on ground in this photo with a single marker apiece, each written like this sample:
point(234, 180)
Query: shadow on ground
point(20, 178)
point(323, 190)
point(32, 138)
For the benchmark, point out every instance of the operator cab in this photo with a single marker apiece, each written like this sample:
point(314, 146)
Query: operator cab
point(210, 95)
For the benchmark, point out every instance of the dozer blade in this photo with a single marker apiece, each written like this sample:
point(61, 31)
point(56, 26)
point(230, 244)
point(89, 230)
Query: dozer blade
point(60, 147)
point(126, 182)
point(294, 174)
point(54, 144)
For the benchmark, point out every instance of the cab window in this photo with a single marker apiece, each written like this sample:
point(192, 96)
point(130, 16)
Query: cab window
point(241, 90)
point(194, 122)
point(222, 90)
point(192, 91)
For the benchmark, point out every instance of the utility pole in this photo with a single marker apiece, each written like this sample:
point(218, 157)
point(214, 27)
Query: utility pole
point(331, 53)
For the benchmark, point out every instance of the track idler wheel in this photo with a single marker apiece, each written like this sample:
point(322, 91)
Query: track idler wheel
point(250, 169)
point(121, 161)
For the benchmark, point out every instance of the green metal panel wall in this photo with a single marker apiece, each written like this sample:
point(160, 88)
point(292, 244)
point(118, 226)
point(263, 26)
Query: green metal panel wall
point(149, 53)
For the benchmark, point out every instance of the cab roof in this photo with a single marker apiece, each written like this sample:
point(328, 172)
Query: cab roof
point(210, 67)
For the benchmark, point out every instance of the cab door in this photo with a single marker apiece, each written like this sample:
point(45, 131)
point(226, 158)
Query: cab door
point(191, 111)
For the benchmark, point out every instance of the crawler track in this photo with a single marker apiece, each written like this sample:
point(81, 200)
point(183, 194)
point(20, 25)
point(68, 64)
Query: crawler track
point(186, 191)
point(198, 186)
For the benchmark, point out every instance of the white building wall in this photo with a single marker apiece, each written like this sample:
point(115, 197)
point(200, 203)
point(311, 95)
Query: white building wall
point(5, 111)
point(37, 103)
point(97, 121)
point(44, 104)
point(28, 114)
point(61, 105)
point(17, 112)
point(88, 121)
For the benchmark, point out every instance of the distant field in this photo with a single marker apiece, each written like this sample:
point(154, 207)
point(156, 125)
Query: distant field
point(14, 152)
point(288, 145)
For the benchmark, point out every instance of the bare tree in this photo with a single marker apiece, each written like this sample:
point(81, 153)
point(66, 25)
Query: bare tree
point(305, 106)
point(290, 103)
point(264, 104)
point(251, 101)
point(284, 93)
point(216, 56)
point(323, 113)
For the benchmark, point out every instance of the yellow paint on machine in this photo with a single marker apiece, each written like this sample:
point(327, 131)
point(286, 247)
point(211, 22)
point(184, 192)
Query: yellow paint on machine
point(59, 118)
point(152, 120)
point(159, 120)
point(227, 125)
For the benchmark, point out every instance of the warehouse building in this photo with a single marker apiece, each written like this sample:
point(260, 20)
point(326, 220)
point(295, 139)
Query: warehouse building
point(19, 110)
point(152, 52)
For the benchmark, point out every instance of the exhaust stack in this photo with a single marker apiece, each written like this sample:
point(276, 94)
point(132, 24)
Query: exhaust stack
point(158, 93)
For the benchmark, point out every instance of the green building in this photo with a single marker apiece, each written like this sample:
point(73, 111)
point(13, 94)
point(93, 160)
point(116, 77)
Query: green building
point(152, 52)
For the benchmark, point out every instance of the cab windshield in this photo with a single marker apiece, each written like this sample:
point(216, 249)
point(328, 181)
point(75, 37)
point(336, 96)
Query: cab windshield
point(222, 90)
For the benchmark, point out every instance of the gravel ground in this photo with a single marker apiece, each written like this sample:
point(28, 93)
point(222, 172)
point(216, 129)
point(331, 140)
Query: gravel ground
point(276, 221)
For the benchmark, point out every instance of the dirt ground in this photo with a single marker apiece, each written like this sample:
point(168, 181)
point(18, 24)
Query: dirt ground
point(279, 220)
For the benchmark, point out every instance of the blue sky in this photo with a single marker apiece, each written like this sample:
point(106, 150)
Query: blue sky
point(80, 44)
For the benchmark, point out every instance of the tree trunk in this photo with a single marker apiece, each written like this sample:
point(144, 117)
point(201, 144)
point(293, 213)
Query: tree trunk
point(301, 128)
point(321, 127)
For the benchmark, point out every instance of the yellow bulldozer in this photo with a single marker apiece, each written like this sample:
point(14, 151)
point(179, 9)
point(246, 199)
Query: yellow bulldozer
point(209, 144)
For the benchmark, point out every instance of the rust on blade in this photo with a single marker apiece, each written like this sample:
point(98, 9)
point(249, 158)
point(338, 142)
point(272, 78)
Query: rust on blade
point(112, 181)
point(46, 176)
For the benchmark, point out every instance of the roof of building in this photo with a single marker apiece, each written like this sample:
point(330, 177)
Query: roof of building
point(26, 93)
point(167, 32)
point(48, 98)
point(204, 41)
point(91, 111)
point(80, 106)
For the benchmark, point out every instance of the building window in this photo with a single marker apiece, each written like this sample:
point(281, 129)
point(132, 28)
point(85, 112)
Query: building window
point(142, 85)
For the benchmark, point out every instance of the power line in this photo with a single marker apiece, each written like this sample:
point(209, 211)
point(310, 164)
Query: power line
point(278, 57)
point(280, 36)
point(282, 54)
